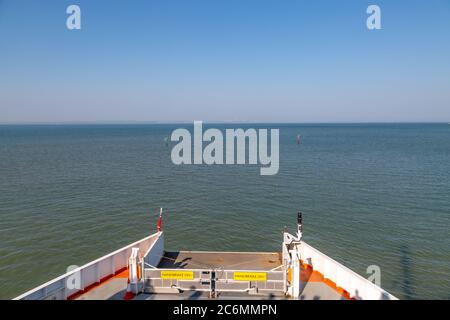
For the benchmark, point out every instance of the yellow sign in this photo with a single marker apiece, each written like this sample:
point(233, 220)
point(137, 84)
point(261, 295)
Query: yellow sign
point(250, 276)
point(177, 275)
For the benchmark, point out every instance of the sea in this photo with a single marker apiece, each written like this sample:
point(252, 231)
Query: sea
point(370, 194)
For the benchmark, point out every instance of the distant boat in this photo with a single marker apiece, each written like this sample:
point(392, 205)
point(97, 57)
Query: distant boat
point(298, 139)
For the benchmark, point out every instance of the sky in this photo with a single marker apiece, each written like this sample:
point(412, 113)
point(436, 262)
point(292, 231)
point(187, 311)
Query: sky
point(224, 60)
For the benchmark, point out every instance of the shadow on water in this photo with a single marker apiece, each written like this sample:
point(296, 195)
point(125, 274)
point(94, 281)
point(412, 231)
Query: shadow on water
point(407, 281)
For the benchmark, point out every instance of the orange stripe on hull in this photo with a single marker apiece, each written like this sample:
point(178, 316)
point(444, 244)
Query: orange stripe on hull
point(308, 274)
point(122, 273)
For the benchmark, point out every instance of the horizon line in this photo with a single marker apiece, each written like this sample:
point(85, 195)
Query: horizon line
point(212, 122)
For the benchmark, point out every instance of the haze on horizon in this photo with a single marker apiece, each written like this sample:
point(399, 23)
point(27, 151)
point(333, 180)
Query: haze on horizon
point(220, 61)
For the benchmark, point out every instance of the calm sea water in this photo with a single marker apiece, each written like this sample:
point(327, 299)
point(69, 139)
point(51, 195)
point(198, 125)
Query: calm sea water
point(371, 194)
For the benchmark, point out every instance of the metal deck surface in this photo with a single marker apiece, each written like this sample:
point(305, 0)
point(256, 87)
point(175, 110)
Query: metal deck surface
point(224, 260)
point(312, 286)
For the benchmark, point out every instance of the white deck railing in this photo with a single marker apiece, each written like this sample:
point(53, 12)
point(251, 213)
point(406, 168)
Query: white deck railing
point(357, 286)
point(90, 273)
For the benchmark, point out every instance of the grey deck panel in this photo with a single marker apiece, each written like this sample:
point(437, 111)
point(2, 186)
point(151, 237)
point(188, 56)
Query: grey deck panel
point(224, 260)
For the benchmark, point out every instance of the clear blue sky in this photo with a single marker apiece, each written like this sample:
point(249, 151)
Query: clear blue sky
point(224, 60)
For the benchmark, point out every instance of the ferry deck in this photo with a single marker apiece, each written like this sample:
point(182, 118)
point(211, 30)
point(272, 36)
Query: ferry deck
point(144, 270)
point(313, 285)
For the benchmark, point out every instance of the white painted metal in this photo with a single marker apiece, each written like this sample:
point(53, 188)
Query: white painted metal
point(91, 273)
point(154, 253)
point(295, 276)
point(296, 250)
point(223, 282)
point(274, 282)
point(357, 286)
point(291, 259)
point(133, 263)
